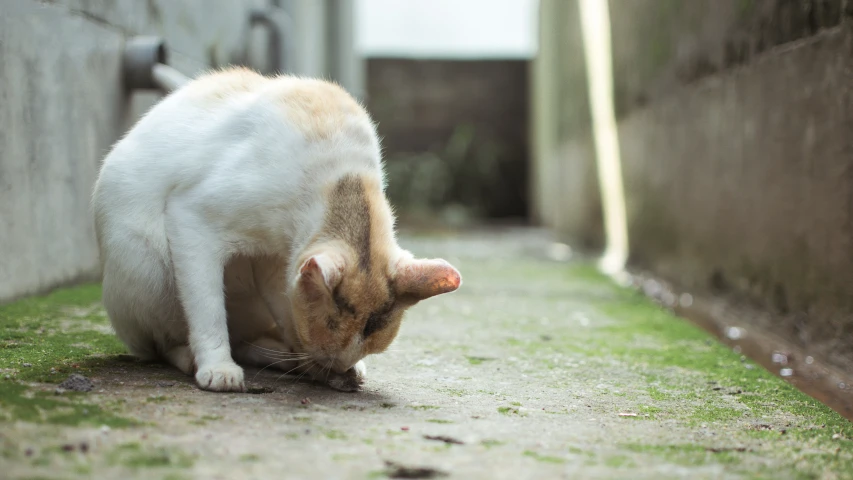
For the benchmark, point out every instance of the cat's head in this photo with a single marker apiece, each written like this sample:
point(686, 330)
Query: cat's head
point(344, 311)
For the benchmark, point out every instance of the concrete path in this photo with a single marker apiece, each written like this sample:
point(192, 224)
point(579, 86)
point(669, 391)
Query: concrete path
point(534, 369)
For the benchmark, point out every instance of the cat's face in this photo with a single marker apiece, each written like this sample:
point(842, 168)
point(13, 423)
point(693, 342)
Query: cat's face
point(344, 312)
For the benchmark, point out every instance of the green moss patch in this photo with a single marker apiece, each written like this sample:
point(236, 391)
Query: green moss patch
point(44, 339)
point(136, 456)
point(19, 402)
point(607, 339)
point(543, 458)
point(478, 360)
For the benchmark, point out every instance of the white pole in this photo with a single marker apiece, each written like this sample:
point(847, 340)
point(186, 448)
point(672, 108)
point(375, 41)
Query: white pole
point(595, 26)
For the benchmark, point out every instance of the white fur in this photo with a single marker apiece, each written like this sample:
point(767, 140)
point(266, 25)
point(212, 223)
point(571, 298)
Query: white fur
point(196, 182)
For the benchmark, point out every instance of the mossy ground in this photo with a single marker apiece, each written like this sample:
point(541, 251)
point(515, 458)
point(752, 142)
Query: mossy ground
point(534, 366)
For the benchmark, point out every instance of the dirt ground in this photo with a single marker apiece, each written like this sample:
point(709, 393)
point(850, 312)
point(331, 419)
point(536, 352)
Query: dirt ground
point(538, 367)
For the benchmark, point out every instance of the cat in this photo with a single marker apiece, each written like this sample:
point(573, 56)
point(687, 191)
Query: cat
point(243, 220)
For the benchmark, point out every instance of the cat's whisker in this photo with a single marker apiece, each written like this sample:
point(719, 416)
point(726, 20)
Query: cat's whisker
point(262, 348)
point(329, 368)
point(286, 357)
point(296, 359)
point(275, 352)
point(271, 355)
point(296, 382)
point(294, 368)
point(270, 365)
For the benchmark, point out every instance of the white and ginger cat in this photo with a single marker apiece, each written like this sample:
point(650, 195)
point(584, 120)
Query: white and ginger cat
point(243, 220)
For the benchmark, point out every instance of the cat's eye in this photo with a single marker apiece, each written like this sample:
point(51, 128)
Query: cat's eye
point(374, 323)
point(342, 305)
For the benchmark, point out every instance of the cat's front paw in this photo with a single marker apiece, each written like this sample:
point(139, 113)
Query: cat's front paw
point(351, 380)
point(223, 377)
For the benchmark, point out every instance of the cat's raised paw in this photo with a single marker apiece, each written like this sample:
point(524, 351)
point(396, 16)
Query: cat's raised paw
point(221, 378)
point(351, 380)
point(360, 370)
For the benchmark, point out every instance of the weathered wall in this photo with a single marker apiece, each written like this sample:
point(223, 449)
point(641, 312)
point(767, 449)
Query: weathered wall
point(62, 105)
point(659, 45)
point(563, 184)
point(736, 135)
point(453, 132)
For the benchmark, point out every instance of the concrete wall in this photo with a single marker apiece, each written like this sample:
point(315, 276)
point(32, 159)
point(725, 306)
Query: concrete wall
point(564, 190)
point(323, 41)
point(62, 105)
point(736, 135)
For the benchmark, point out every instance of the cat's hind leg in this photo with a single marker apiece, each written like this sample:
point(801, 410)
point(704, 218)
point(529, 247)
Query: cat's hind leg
point(181, 357)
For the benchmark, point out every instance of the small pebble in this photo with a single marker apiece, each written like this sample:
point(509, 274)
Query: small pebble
point(105, 429)
point(305, 401)
point(77, 383)
point(59, 391)
point(28, 365)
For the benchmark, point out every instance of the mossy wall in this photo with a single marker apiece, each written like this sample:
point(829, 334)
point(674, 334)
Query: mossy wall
point(735, 120)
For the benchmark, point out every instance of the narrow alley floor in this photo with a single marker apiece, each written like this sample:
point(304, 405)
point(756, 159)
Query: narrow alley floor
point(534, 369)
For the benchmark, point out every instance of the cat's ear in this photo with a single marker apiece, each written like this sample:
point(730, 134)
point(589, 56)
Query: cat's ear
point(319, 275)
point(420, 279)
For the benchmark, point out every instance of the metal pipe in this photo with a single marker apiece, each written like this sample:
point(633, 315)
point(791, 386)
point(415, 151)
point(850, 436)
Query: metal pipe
point(145, 66)
point(277, 23)
point(167, 78)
